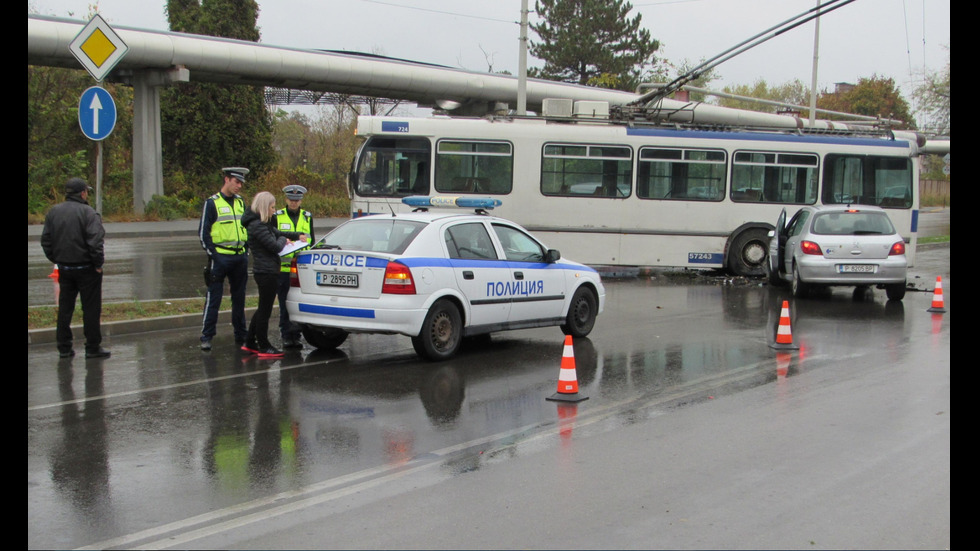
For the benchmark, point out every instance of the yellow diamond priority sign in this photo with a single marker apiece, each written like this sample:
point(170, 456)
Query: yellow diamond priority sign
point(98, 48)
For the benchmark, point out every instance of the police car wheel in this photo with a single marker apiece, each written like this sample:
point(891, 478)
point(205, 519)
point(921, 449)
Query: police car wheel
point(441, 332)
point(581, 314)
point(326, 338)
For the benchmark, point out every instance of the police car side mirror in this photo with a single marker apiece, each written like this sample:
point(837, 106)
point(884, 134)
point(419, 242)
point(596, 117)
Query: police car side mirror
point(552, 255)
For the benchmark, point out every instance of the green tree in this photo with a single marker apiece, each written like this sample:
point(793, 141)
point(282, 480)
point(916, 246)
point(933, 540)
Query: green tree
point(591, 42)
point(793, 92)
point(205, 126)
point(875, 97)
point(932, 96)
point(57, 149)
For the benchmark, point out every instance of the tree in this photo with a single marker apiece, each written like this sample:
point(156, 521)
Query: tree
point(591, 42)
point(874, 97)
point(206, 126)
point(932, 97)
point(57, 149)
point(793, 92)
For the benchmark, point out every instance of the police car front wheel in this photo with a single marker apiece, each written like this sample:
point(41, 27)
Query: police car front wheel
point(441, 332)
point(581, 314)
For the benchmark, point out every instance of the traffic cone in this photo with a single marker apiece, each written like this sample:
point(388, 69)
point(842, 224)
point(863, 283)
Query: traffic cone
point(567, 379)
point(938, 305)
point(784, 333)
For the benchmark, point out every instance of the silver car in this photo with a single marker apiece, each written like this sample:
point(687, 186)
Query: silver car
point(838, 245)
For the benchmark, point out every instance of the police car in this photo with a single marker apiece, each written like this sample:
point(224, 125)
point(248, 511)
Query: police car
point(436, 277)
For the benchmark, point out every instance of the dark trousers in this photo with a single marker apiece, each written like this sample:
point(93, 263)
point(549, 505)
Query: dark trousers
point(87, 283)
point(258, 328)
point(287, 329)
point(235, 268)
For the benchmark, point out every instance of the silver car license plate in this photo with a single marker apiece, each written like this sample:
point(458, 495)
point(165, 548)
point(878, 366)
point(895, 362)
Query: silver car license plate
point(856, 268)
point(336, 279)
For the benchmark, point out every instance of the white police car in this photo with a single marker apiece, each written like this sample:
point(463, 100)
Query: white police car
point(437, 277)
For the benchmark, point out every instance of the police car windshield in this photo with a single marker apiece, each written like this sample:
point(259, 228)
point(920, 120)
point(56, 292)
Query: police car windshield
point(379, 235)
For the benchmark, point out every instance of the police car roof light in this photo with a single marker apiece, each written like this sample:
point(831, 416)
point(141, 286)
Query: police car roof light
point(422, 201)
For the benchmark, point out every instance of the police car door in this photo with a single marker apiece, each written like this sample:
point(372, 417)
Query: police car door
point(536, 288)
point(478, 272)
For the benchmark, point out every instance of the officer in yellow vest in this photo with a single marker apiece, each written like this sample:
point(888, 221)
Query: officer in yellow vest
point(291, 219)
point(224, 238)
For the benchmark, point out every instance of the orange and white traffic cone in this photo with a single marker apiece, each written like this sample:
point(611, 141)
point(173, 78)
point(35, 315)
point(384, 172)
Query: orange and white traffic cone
point(784, 332)
point(938, 306)
point(567, 378)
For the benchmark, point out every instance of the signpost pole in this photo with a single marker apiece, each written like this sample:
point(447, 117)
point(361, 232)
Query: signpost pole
point(98, 48)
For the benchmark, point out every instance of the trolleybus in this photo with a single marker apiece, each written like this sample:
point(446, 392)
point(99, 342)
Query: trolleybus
point(613, 193)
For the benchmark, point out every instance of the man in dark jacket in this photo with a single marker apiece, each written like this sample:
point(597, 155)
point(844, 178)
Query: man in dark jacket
point(73, 239)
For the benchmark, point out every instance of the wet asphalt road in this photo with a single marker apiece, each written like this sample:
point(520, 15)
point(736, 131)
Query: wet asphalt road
point(696, 433)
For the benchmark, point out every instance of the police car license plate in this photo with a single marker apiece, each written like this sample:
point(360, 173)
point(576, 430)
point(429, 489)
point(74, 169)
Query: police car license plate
point(336, 279)
point(856, 268)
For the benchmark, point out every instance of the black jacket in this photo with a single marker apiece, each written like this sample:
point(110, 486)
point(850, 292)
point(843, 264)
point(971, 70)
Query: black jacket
point(73, 234)
point(264, 242)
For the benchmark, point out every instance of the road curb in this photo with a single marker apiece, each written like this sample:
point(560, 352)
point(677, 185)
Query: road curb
point(130, 327)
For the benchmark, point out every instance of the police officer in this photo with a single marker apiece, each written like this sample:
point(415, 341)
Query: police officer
point(224, 238)
point(291, 219)
point(74, 239)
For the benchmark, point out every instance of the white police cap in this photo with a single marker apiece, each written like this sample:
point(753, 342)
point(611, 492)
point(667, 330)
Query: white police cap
point(294, 192)
point(238, 172)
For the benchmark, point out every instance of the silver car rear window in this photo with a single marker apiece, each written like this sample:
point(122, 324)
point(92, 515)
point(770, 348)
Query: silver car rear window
point(852, 223)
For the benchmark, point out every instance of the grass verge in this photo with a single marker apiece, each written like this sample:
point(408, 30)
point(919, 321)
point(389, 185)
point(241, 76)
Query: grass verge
point(46, 317)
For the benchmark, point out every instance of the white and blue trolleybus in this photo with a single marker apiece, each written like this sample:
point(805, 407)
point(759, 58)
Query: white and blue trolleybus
point(617, 193)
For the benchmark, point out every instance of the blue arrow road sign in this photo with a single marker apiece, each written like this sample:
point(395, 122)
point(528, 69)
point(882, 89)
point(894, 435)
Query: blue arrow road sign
point(96, 113)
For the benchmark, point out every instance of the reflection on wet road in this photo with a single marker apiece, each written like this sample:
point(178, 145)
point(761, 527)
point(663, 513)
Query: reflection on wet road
point(163, 445)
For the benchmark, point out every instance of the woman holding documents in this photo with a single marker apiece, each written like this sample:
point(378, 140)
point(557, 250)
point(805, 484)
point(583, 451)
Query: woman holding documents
point(265, 242)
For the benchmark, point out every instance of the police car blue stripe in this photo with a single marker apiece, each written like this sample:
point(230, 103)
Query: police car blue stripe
point(336, 311)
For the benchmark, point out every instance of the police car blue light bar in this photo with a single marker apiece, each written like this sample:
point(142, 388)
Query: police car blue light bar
point(422, 201)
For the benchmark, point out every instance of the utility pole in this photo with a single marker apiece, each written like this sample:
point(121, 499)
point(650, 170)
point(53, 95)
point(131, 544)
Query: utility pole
point(813, 78)
point(522, 66)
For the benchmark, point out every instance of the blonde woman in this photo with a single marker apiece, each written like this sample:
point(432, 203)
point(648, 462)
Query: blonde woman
point(265, 241)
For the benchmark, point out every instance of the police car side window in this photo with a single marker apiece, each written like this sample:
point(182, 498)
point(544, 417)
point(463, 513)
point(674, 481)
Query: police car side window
point(518, 245)
point(470, 241)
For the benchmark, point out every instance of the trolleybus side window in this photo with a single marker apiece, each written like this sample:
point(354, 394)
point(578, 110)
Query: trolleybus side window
point(681, 174)
point(474, 167)
point(772, 177)
point(867, 179)
point(393, 166)
point(578, 170)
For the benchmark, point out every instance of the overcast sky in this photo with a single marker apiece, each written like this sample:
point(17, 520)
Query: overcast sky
point(891, 38)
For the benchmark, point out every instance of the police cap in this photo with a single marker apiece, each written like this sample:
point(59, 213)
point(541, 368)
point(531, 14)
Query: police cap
point(294, 192)
point(236, 172)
